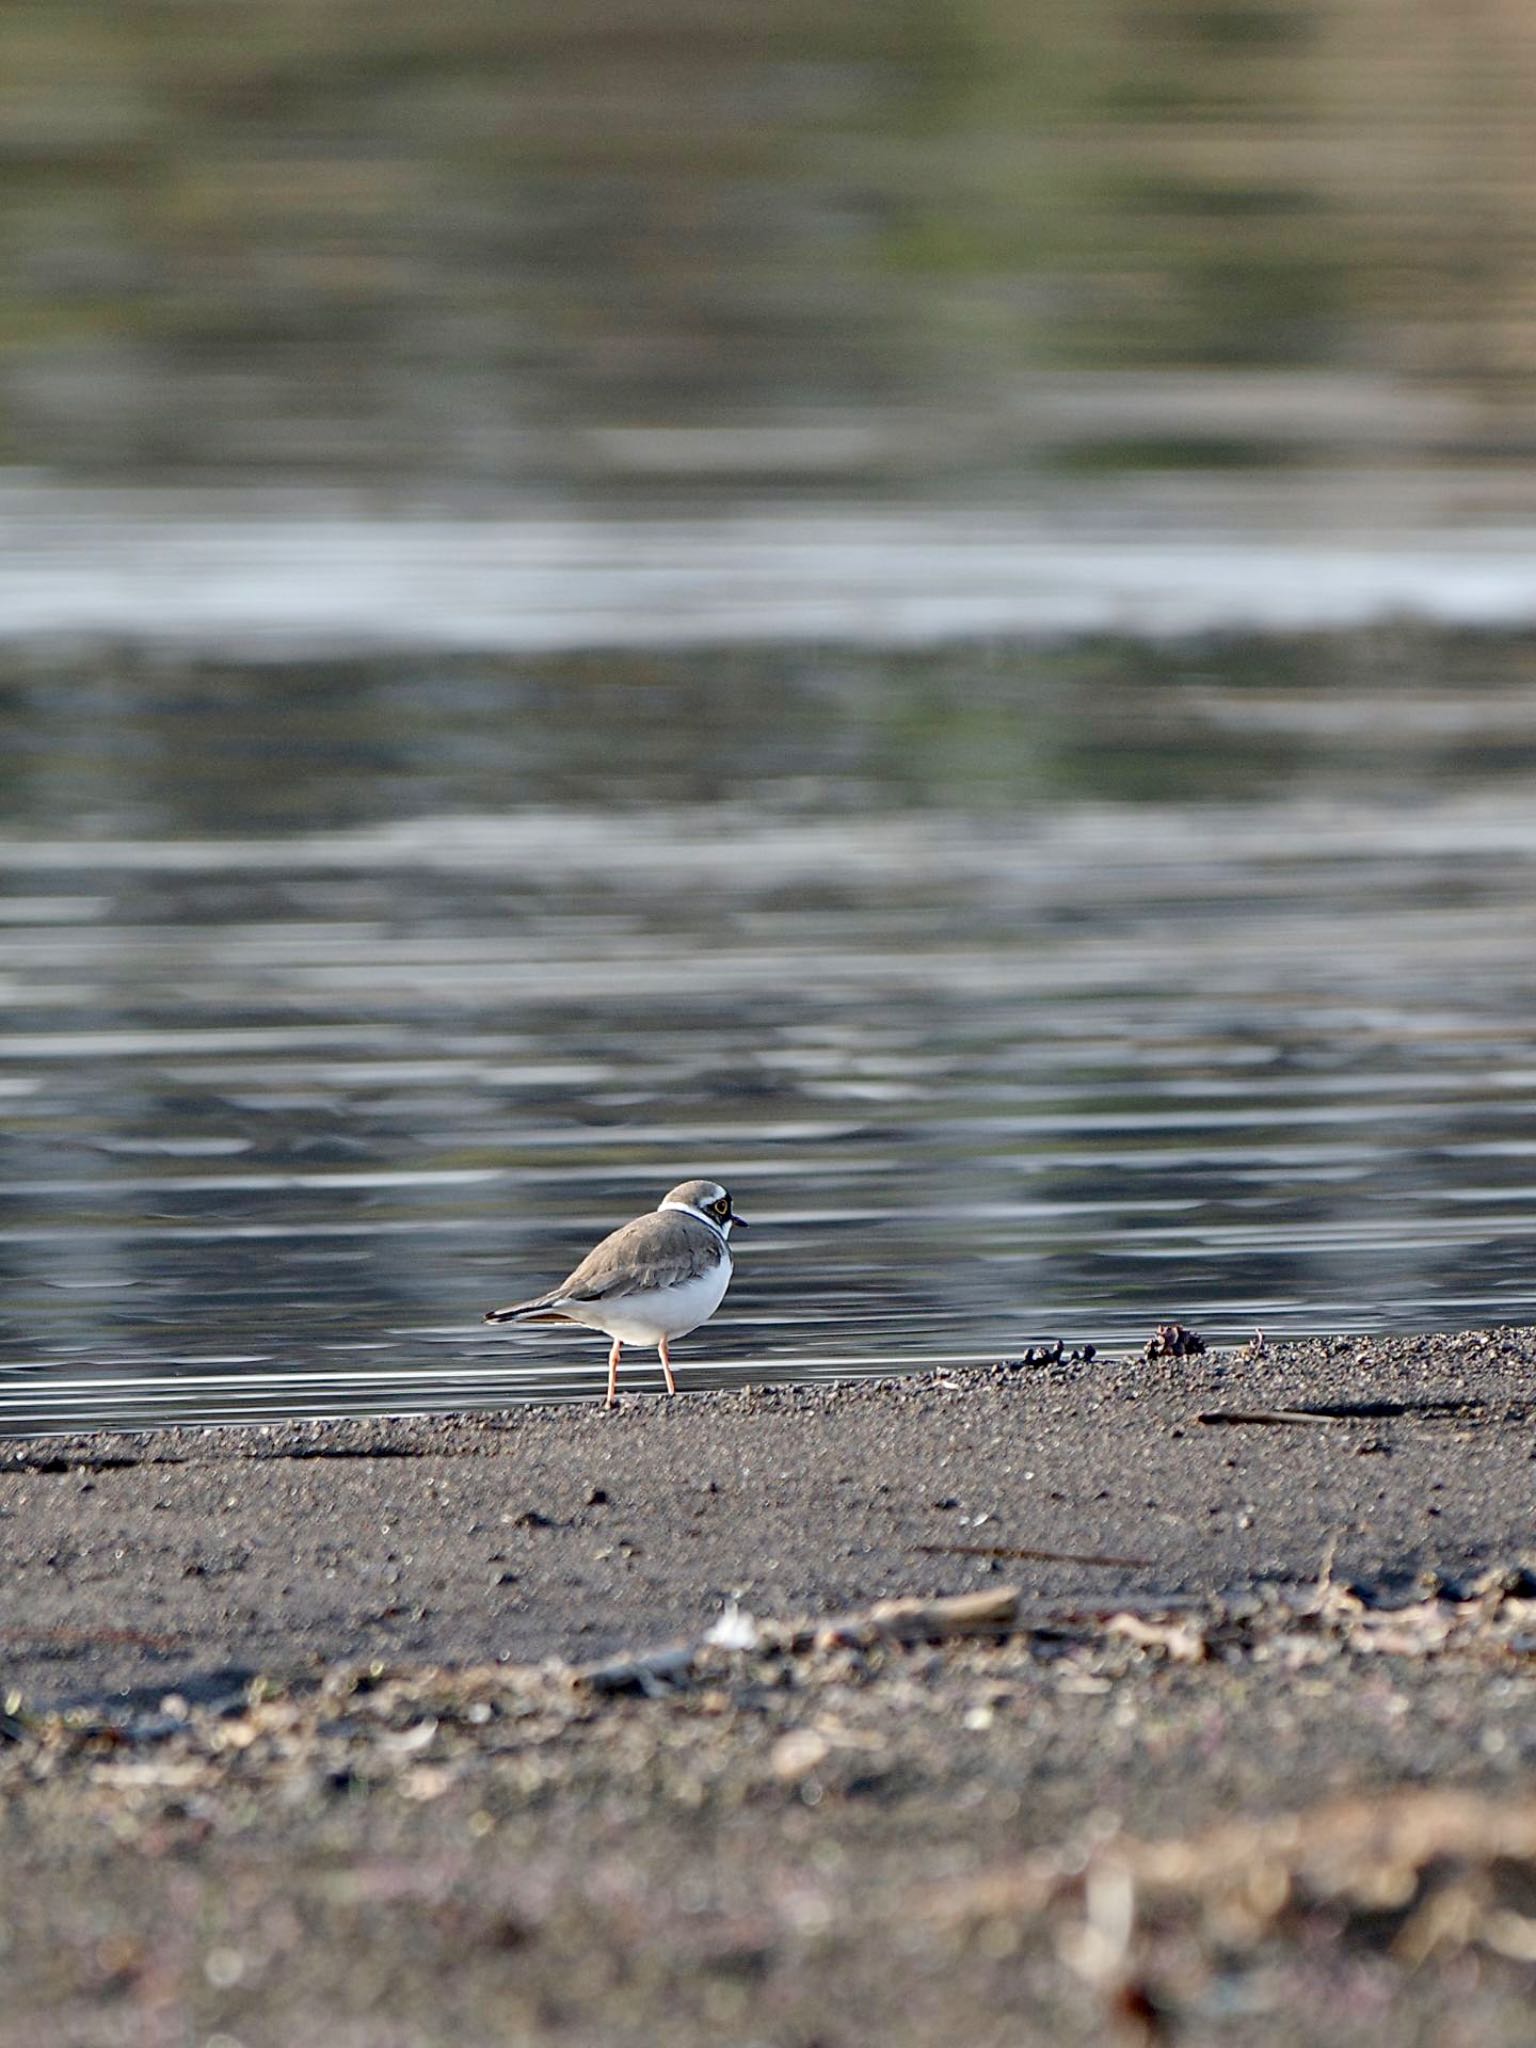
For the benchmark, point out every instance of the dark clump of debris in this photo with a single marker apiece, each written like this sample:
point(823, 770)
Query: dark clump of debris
point(1168, 1340)
point(1172, 1340)
point(1052, 1353)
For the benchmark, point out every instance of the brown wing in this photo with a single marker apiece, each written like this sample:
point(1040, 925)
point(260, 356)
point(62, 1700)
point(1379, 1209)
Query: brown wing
point(660, 1250)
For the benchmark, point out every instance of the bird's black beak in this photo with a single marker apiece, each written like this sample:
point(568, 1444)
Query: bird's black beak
point(739, 1221)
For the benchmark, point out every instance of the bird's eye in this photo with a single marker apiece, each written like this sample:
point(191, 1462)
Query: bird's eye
point(723, 1206)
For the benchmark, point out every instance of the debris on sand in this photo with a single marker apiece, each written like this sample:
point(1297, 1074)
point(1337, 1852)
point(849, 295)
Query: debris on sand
point(1482, 1622)
point(855, 1762)
point(1173, 1340)
point(1408, 1875)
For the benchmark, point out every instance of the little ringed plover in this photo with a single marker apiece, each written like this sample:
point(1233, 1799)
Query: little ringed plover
point(648, 1281)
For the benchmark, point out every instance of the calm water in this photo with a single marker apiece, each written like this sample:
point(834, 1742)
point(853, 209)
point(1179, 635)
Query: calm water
point(1016, 994)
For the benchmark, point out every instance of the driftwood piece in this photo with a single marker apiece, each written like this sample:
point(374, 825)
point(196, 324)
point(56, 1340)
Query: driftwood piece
point(924, 1621)
point(1033, 1556)
point(1261, 1416)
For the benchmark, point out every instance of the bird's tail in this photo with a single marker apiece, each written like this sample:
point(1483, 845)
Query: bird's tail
point(537, 1310)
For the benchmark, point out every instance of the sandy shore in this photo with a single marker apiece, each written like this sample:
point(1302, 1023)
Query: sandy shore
point(376, 1806)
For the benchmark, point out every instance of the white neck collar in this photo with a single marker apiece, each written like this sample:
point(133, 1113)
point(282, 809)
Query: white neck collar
point(687, 1209)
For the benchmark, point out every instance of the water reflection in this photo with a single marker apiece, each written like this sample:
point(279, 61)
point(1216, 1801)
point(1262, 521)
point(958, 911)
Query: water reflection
point(1020, 993)
point(596, 247)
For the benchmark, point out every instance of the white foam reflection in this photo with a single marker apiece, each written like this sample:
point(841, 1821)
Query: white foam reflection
point(309, 573)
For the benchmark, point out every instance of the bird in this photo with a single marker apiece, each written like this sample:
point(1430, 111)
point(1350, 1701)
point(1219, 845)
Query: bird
point(648, 1281)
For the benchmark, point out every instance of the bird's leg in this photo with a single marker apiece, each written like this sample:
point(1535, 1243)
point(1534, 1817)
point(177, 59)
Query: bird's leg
point(613, 1375)
point(666, 1365)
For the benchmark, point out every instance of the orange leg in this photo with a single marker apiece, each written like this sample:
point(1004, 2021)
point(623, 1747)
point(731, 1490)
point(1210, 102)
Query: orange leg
point(666, 1365)
point(613, 1375)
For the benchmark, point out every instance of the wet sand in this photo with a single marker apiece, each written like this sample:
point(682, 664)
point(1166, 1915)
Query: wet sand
point(373, 1810)
point(144, 1559)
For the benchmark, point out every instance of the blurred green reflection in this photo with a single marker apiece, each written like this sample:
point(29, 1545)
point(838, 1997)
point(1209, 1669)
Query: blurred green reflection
point(877, 245)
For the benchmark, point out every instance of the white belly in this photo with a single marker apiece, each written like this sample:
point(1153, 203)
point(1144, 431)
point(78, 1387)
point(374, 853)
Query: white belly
point(647, 1318)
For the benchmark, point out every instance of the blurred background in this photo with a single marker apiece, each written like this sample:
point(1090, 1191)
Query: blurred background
point(943, 246)
point(923, 607)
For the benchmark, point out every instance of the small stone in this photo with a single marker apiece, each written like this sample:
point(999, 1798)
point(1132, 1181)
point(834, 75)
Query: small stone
point(797, 1754)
